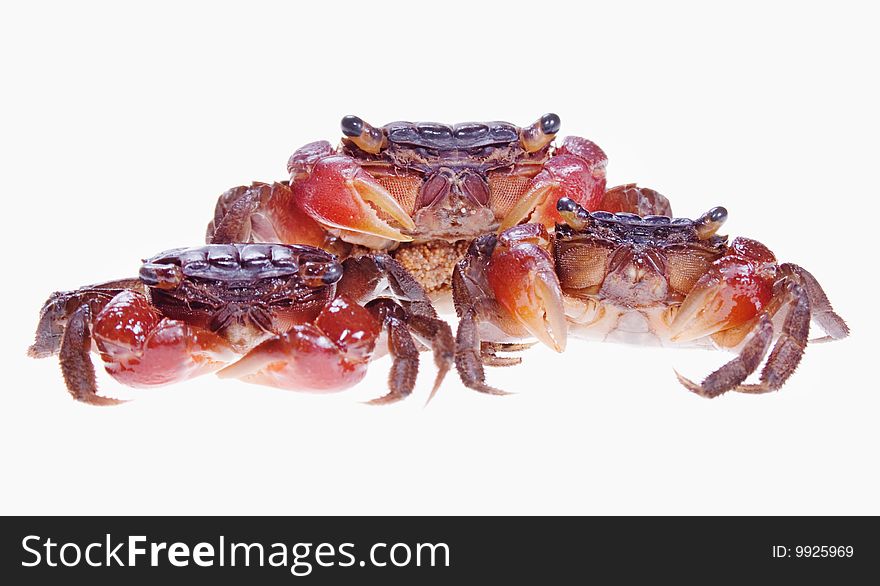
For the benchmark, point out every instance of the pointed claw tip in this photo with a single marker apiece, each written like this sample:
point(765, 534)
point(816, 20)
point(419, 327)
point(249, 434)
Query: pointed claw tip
point(100, 401)
point(388, 399)
point(383, 200)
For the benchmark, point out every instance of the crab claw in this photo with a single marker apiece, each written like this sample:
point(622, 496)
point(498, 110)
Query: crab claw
point(331, 354)
point(522, 277)
point(338, 194)
point(729, 295)
point(576, 171)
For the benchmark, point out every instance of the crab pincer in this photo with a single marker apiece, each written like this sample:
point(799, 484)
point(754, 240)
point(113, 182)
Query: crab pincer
point(506, 285)
point(523, 278)
point(337, 193)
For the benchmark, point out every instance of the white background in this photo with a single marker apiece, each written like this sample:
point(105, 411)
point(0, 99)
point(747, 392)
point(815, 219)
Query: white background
point(122, 124)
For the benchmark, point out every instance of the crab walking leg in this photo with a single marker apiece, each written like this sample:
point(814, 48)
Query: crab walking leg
point(65, 328)
point(141, 348)
point(476, 304)
point(401, 346)
point(789, 348)
point(820, 307)
point(264, 213)
point(366, 277)
point(330, 354)
point(470, 292)
point(489, 350)
point(76, 364)
point(737, 370)
point(60, 305)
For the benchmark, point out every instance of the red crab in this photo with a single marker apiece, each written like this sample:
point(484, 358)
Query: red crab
point(640, 279)
point(288, 316)
point(423, 191)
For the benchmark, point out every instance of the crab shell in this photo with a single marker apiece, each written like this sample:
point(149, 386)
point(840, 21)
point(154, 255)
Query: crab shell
point(416, 182)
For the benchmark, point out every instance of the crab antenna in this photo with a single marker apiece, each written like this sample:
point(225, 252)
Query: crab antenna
point(573, 214)
point(366, 137)
point(710, 222)
point(540, 134)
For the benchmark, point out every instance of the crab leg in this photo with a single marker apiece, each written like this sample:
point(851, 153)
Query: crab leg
point(76, 364)
point(401, 346)
point(789, 348)
point(468, 356)
point(489, 350)
point(729, 376)
point(65, 329)
point(370, 276)
point(264, 213)
point(820, 308)
point(60, 305)
point(506, 283)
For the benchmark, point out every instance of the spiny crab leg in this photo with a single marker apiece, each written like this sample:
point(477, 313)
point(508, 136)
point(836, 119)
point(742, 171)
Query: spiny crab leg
point(339, 194)
point(523, 279)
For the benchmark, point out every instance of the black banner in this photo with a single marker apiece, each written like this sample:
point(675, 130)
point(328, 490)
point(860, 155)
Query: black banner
point(401, 550)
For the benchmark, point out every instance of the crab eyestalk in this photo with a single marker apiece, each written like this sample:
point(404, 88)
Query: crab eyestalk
point(535, 137)
point(709, 223)
point(574, 215)
point(366, 137)
point(161, 275)
point(320, 274)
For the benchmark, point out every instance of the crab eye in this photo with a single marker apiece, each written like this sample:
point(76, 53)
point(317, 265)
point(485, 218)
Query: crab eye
point(550, 123)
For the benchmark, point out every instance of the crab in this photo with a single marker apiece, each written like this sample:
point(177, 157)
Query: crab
point(287, 316)
point(423, 191)
point(644, 279)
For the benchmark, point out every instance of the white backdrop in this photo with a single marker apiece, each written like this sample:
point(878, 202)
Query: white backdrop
point(121, 125)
